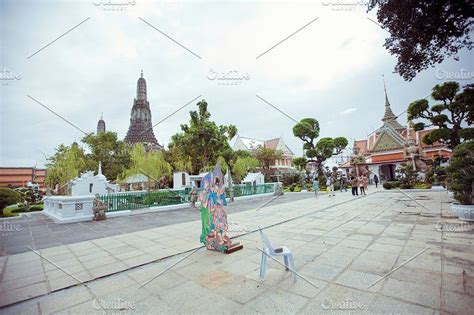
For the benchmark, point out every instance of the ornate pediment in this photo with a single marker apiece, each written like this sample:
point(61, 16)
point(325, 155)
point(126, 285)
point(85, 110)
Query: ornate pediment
point(386, 142)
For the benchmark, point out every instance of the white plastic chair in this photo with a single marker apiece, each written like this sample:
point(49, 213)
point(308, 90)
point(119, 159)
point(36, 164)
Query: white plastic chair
point(271, 250)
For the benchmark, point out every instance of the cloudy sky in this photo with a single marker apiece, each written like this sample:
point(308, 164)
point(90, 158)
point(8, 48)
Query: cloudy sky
point(331, 69)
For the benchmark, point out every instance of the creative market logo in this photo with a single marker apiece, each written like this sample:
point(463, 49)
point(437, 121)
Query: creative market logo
point(233, 77)
point(113, 5)
point(461, 74)
point(7, 76)
point(115, 305)
point(343, 305)
point(349, 5)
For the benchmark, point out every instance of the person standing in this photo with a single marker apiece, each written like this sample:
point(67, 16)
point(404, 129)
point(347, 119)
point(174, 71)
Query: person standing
point(343, 183)
point(330, 184)
point(316, 186)
point(376, 180)
point(354, 184)
point(361, 185)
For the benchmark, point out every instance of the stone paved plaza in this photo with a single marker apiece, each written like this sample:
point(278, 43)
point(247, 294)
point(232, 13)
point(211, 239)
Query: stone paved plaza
point(384, 253)
point(39, 231)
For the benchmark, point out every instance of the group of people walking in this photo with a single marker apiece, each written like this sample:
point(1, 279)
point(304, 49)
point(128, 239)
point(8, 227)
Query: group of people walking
point(357, 183)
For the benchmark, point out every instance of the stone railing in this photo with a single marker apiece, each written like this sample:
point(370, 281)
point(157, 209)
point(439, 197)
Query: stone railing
point(66, 209)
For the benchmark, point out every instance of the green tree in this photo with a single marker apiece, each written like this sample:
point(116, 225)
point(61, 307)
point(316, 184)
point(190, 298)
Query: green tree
point(243, 165)
point(66, 164)
point(451, 116)
point(152, 164)
point(8, 197)
point(460, 173)
point(308, 131)
point(202, 141)
point(300, 163)
point(267, 158)
point(424, 32)
point(406, 175)
point(106, 148)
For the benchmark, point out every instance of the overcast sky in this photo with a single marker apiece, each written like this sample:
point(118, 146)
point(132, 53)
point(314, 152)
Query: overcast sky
point(331, 69)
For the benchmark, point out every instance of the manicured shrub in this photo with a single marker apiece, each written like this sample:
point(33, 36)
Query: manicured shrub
point(387, 185)
point(394, 183)
point(8, 197)
point(37, 207)
point(461, 173)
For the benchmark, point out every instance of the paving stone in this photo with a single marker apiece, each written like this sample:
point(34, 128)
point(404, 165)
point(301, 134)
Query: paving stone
point(386, 305)
point(278, 301)
point(458, 303)
point(23, 293)
point(419, 293)
point(339, 299)
point(320, 271)
point(359, 280)
point(64, 299)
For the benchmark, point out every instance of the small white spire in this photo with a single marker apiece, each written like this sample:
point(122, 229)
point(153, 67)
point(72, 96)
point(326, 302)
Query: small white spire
point(141, 75)
point(99, 172)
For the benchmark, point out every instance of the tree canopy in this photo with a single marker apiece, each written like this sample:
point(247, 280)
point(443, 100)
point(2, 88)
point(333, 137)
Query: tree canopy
point(106, 148)
point(201, 142)
point(424, 32)
point(308, 131)
point(452, 116)
point(66, 164)
point(267, 158)
point(152, 164)
point(243, 165)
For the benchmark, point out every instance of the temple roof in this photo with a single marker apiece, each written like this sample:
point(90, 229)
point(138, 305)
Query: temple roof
point(389, 117)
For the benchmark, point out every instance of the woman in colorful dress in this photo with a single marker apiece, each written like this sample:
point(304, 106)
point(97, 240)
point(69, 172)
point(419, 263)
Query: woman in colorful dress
point(217, 238)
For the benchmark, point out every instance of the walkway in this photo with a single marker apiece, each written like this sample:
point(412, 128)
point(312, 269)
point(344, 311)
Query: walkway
point(341, 249)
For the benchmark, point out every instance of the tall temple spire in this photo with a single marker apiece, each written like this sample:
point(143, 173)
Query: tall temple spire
point(101, 124)
point(389, 117)
point(141, 130)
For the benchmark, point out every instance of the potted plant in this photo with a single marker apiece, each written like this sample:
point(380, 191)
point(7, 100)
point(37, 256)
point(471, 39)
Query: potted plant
point(460, 177)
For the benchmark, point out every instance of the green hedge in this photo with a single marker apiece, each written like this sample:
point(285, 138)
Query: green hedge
point(8, 197)
point(14, 210)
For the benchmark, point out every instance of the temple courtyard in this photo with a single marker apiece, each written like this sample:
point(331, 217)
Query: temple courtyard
point(388, 252)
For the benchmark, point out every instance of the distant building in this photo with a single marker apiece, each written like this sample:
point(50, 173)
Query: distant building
point(88, 184)
point(254, 179)
point(21, 176)
point(250, 145)
point(100, 125)
point(141, 129)
point(385, 148)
